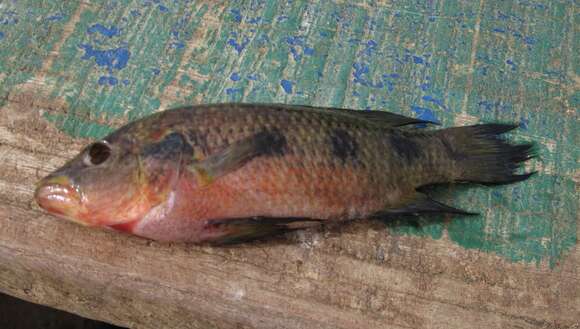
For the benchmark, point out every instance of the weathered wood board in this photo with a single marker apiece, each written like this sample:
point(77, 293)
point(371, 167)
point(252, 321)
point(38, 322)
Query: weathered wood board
point(73, 71)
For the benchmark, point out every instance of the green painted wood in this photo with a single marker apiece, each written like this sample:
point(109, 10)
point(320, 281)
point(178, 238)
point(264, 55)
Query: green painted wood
point(458, 62)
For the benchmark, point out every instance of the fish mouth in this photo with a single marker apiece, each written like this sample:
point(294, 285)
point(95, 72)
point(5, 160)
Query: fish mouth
point(58, 196)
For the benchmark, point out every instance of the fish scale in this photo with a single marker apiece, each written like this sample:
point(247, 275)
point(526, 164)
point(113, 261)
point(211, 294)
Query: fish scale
point(232, 172)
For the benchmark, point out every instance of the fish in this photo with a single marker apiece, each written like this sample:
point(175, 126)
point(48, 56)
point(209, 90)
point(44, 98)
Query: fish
point(235, 172)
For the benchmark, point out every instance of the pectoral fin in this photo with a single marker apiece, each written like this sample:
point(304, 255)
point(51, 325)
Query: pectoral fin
point(236, 155)
point(231, 231)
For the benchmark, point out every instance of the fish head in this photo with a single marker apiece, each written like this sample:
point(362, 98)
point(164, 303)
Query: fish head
point(113, 181)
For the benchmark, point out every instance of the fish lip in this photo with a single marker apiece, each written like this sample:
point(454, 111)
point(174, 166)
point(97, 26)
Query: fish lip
point(58, 196)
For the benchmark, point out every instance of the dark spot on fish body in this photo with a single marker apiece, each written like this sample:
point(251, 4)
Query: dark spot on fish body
point(172, 145)
point(448, 147)
point(344, 146)
point(452, 153)
point(271, 143)
point(405, 147)
point(198, 140)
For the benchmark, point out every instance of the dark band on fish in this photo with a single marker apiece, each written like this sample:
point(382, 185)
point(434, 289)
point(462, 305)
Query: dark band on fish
point(406, 148)
point(271, 143)
point(344, 146)
point(172, 145)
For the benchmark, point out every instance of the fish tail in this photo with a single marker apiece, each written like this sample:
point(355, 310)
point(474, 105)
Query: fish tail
point(482, 156)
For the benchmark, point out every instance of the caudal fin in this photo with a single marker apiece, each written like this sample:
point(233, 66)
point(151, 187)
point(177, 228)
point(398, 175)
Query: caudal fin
point(483, 157)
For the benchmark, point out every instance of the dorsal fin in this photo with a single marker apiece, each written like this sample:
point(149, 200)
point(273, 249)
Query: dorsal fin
point(384, 118)
point(388, 118)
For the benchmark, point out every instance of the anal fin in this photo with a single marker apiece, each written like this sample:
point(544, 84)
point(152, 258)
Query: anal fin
point(421, 203)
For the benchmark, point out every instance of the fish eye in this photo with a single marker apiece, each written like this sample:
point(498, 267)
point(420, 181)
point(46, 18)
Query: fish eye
point(97, 153)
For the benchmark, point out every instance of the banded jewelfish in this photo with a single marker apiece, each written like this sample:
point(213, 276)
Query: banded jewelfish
point(233, 172)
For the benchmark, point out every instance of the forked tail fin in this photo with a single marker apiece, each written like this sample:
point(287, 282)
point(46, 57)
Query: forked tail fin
point(483, 157)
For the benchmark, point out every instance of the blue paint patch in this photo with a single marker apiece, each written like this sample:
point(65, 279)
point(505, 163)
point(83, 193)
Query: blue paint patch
point(112, 81)
point(112, 59)
point(417, 60)
point(281, 18)
point(252, 77)
point(155, 71)
point(239, 47)
point(370, 47)
point(162, 8)
point(126, 82)
point(108, 32)
point(512, 64)
point(1, 35)
point(135, 13)
point(231, 91)
point(54, 18)
point(529, 40)
point(532, 4)
point(262, 40)
point(359, 76)
point(178, 45)
point(9, 18)
point(424, 113)
point(486, 105)
point(295, 41)
point(498, 30)
point(391, 76)
point(494, 106)
point(388, 82)
point(524, 123)
point(235, 76)
point(431, 99)
point(295, 54)
point(286, 85)
point(360, 69)
point(236, 15)
point(255, 20)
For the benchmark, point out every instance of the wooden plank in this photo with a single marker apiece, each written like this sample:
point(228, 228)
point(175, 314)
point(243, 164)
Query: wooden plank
point(71, 72)
point(135, 283)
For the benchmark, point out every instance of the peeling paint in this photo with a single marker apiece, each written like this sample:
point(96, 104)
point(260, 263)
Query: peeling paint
point(505, 63)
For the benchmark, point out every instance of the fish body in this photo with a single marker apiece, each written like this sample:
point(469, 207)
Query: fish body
point(231, 172)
